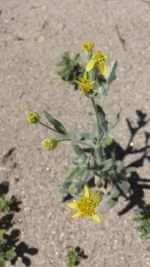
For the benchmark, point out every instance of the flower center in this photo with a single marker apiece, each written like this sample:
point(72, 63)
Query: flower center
point(86, 207)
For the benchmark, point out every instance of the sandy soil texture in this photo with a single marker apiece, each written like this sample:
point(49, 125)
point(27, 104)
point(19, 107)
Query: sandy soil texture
point(33, 36)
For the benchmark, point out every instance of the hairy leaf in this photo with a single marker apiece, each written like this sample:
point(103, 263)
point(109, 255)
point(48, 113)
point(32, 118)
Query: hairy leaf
point(120, 188)
point(57, 125)
point(107, 165)
point(102, 120)
point(80, 153)
point(111, 75)
point(73, 178)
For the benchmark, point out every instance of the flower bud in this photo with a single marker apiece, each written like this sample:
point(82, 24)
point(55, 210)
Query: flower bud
point(49, 143)
point(88, 46)
point(33, 117)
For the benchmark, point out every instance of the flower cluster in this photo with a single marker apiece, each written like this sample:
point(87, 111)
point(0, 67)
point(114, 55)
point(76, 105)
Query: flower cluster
point(97, 62)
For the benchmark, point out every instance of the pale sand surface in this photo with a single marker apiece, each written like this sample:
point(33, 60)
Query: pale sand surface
point(33, 36)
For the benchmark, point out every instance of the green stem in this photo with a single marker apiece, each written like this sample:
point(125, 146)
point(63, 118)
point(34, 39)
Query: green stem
point(63, 139)
point(46, 126)
point(98, 124)
point(98, 150)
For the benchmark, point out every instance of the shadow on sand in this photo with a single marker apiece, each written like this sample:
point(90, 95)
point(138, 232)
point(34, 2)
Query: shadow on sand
point(12, 237)
point(137, 183)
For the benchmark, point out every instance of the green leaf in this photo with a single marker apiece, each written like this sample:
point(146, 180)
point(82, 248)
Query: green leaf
point(109, 141)
point(1, 234)
point(2, 262)
point(130, 170)
point(78, 150)
point(102, 119)
point(57, 125)
point(107, 165)
point(4, 204)
point(120, 188)
point(83, 134)
point(80, 153)
point(119, 166)
point(10, 254)
point(111, 75)
point(110, 204)
point(75, 178)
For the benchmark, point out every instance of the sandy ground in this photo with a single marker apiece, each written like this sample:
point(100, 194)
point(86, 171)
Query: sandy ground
point(33, 36)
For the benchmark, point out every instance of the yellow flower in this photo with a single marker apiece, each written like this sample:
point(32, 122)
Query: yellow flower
point(85, 85)
point(86, 205)
point(32, 117)
point(88, 46)
point(49, 143)
point(98, 60)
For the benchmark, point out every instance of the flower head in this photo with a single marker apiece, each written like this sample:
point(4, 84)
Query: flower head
point(49, 143)
point(85, 85)
point(86, 205)
point(32, 117)
point(98, 60)
point(88, 46)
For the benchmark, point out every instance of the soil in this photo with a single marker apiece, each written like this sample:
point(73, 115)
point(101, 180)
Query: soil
point(33, 36)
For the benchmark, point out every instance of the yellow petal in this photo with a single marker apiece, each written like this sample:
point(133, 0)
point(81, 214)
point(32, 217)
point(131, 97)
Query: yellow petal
point(90, 65)
point(75, 214)
point(78, 82)
point(72, 205)
point(88, 46)
point(96, 218)
point(81, 93)
point(86, 192)
point(102, 68)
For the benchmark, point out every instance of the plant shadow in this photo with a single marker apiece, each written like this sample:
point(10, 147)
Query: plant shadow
point(12, 236)
point(81, 252)
point(137, 183)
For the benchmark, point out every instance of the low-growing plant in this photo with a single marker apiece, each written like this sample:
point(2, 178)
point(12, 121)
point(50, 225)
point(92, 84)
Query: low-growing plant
point(7, 252)
point(74, 256)
point(94, 148)
point(5, 205)
point(143, 219)
point(11, 247)
point(70, 69)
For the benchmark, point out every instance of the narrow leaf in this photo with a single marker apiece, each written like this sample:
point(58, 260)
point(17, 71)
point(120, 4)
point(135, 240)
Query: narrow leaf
point(57, 125)
point(111, 75)
point(102, 119)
